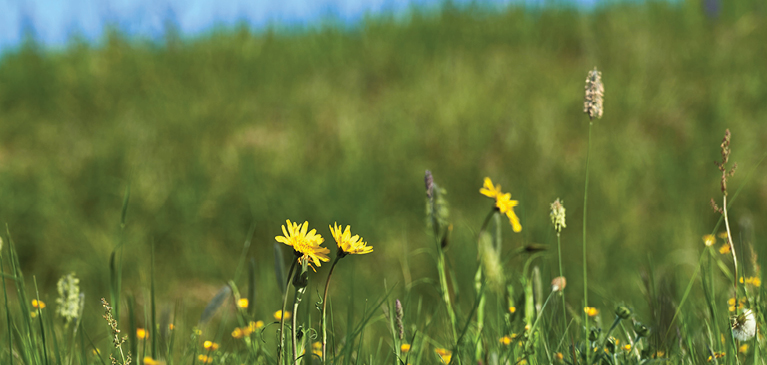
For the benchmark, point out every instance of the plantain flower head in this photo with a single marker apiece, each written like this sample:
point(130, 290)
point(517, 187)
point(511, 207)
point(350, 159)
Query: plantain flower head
point(348, 244)
point(306, 245)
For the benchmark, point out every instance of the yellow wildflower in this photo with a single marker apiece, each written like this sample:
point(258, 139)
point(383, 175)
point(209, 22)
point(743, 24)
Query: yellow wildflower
point(444, 355)
point(503, 202)
point(197, 331)
point(210, 345)
point(142, 334)
point(171, 327)
point(752, 281)
point(505, 340)
point(404, 348)
point(512, 309)
point(150, 361)
point(38, 303)
point(278, 315)
point(489, 190)
point(626, 347)
point(317, 348)
point(238, 333)
point(305, 244)
point(348, 244)
point(242, 303)
point(724, 249)
point(205, 359)
point(723, 235)
point(33, 314)
point(591, 311)
point(709, 240)
point(559, 357)
point(717, 355)
point(743, 348)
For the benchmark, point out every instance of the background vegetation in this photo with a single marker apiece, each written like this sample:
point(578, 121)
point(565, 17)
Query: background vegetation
point(238, 129)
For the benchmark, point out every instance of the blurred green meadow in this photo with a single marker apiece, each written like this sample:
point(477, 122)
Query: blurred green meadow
point(236, 130)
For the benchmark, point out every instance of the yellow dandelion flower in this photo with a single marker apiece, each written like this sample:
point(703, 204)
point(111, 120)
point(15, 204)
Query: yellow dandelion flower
point(743, 348)
point(242, 303)
point(404, 348)
point(38, 303)
point(709, 240)
point(591, 311)
point(238, 333)
point(512, 309)
point(489, 190)
point(205, 359)
point(505, 340)
point(444, 355)
point(305, 244)
point(506, 206)
point(503, 202)
point(348, 244)
point(724, 249)
point(142, 334)
point(278, 315)
point(210, 345)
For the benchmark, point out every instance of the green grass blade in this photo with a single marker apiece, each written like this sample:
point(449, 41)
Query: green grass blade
point(153, 331)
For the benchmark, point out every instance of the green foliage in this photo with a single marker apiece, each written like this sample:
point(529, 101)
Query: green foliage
point(140, 166)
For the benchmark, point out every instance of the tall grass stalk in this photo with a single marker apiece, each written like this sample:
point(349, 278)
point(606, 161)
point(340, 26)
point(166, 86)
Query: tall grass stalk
point(585, 210)
point(281, 348)
point(324, 311)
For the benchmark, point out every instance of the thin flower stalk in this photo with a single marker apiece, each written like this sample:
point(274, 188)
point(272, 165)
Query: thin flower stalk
point(347, 245)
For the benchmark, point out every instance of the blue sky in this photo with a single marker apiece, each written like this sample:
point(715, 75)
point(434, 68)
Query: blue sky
point(54, 22)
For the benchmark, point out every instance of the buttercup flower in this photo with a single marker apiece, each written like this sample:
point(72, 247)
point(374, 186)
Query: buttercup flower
point(348, 244)
point(242, 303)
point(142, 334)
point(709, 240)
point(278, 315)
point(305, 244)
point(503, 202)
point(591, 311)
point(444, 355)
point(405, 347)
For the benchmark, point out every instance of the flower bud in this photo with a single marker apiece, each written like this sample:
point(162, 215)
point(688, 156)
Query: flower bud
point(623, 312)
point(594, 333)
point(558, 284)
point(641, 330)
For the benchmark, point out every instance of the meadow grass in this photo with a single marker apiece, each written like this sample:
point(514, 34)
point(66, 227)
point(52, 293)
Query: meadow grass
point(160, 174)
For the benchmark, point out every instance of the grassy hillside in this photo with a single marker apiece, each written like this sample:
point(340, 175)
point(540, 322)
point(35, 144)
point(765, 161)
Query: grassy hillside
point(239, 129)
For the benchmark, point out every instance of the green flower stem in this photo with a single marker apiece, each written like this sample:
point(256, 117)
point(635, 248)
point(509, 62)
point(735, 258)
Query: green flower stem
point(562, 274)
point(296, 301)
point(324, 311)
point(607, 336)
point(585, 204)
point(445, 292)
point(282, 316)
point(478, 285)
point(732, 248)
point(537, 319)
